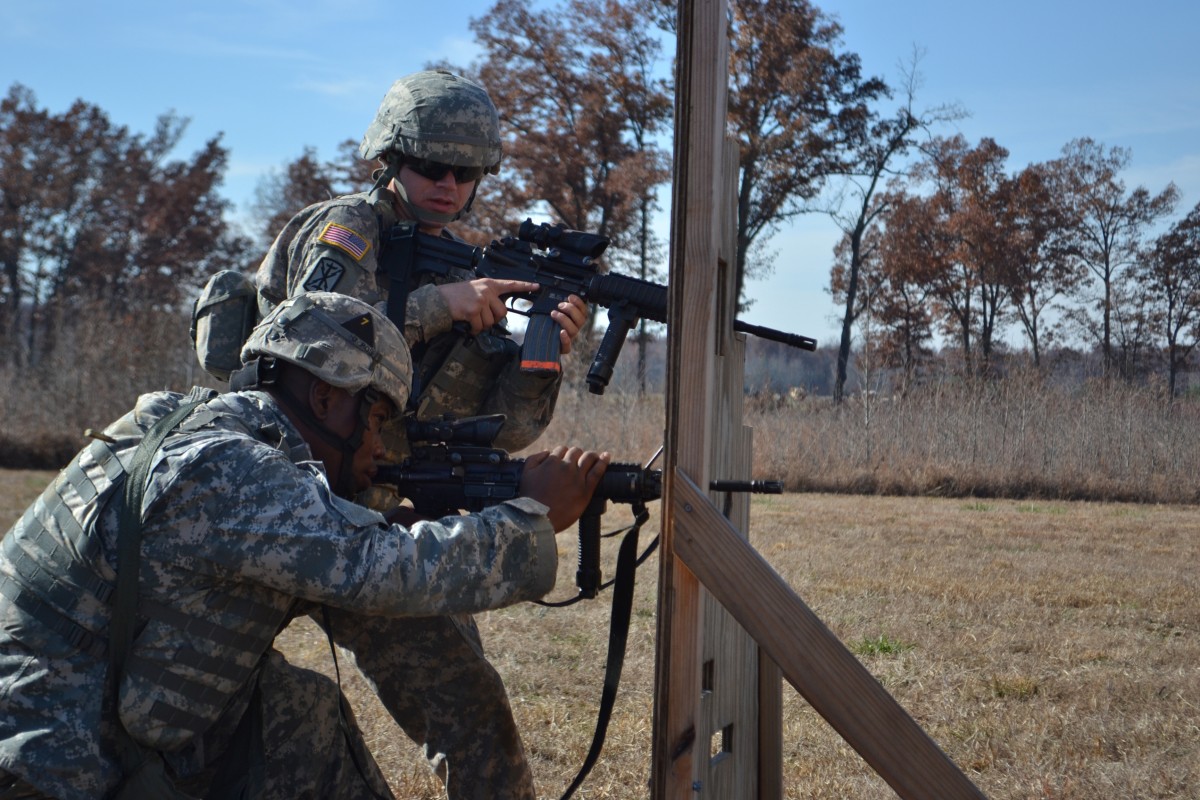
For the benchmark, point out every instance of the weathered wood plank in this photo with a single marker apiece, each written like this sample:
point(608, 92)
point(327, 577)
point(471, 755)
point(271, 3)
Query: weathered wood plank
point(810, 656)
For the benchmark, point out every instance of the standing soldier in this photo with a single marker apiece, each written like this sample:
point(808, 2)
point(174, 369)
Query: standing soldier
point(435, 136)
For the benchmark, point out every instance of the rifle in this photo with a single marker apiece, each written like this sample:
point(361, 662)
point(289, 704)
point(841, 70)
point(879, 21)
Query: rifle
point(562, 262)
point(453, 467)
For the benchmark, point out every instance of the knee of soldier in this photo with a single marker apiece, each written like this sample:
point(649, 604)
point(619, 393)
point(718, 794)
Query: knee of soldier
point(298, 694)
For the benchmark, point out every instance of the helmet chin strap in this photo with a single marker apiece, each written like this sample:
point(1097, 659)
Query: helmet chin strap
point(422, 215)
point(344, 484)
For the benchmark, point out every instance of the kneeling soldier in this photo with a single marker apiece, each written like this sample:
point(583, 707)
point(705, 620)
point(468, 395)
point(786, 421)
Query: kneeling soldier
point(123, 679)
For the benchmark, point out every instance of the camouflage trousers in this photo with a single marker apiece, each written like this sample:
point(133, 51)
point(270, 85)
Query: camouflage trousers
point(307, 753)
point(310, 751)
point(432, 676)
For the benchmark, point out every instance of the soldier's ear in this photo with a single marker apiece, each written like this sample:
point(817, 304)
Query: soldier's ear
point(321, 398)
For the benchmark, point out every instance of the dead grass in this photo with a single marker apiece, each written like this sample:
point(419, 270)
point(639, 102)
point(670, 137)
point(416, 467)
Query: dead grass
point(1051, 648)
point(1013, 438)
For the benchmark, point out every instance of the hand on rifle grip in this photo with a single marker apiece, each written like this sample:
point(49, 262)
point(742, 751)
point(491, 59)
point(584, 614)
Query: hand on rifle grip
point(571, 316)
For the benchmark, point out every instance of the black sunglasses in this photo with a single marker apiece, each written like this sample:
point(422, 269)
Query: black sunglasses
point(436, 170)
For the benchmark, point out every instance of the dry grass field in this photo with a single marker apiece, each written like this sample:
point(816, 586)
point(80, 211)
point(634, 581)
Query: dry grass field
point(1051, 648)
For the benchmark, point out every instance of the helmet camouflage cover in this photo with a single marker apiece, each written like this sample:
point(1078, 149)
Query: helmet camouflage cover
point(436, 115)
point(339, 339)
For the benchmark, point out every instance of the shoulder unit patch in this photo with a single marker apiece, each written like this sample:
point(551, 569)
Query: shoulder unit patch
point(345, 239)
point(324, 276)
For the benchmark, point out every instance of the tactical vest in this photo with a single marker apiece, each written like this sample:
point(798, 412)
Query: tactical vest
point(54, 571)
point(453, 373)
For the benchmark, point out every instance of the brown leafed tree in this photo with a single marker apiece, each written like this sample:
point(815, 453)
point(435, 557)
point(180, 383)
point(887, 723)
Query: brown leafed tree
point(925, 240)
point(579, 108)
point(23, 186)
point(986, 224)
point(1110, 224)
point(98, 217)
point(972, 220)
point(582, 107)
point(799, 108)
point(914, 253)
point(1044, 269)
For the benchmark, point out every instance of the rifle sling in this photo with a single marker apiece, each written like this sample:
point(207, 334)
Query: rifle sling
point(618, 635)
point(397, 256)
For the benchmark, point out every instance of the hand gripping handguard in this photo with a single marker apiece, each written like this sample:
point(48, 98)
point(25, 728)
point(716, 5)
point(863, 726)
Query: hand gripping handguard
point(453, 467)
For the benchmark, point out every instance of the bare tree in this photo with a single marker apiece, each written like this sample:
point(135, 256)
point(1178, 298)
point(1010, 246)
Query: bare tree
point(1110, 221)
point(1170, 276)
point(282, 193)
point(857, 208)
point(799, 109)
point(1134, 352)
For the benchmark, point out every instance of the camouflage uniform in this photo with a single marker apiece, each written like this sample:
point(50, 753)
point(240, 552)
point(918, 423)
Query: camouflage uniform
point(431, 674)
point(240, 532)
point(333, 246)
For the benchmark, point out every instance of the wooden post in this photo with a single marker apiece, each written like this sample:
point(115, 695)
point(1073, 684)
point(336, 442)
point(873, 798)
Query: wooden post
point(704, 685)
point(717, 705)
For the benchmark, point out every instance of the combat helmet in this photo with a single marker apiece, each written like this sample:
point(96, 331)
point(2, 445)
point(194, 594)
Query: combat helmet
point(439, 116)
point(436, 115)
point(337, 338)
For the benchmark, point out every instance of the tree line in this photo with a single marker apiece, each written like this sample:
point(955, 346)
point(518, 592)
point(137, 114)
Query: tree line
point(1060, 251)
point(98, 221)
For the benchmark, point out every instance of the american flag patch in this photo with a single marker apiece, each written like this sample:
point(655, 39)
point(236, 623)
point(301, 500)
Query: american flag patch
point(343, 238)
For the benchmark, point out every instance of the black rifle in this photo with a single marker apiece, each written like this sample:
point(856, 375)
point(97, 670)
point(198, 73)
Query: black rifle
point(453, 468)
point(562, 262)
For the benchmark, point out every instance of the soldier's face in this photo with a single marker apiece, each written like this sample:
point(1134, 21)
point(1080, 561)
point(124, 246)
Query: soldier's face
point(344, 416)
point(445, 195)
point(371, 450)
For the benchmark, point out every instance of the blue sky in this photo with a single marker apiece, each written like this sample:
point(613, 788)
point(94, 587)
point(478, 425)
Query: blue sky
point(274, 76)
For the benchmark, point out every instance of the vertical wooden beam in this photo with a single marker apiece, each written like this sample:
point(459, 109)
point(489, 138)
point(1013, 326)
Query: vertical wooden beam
point(770, 728)
point(727, 731)
point(695, 225)
point(717, 709)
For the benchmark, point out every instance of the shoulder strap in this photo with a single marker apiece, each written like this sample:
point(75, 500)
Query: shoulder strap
point(397, 252)
point(129, 556)
point(618, 633)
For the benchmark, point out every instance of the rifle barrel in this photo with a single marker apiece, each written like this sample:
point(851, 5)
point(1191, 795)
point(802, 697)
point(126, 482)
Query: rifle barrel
point(793, 339)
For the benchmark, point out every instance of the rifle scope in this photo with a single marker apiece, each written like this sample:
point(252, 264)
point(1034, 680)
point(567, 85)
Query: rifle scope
point(547, 236)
